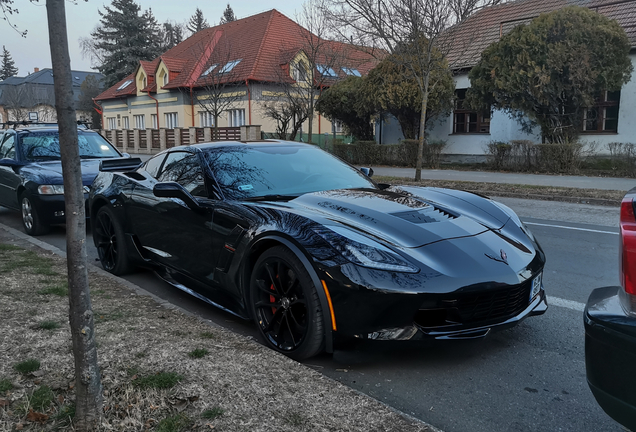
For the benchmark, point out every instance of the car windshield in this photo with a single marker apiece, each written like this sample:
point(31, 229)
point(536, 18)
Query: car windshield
point(37, 146)
point(285, 170)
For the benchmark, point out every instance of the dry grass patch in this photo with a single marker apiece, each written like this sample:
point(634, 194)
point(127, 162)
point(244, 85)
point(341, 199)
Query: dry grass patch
point(150, 381)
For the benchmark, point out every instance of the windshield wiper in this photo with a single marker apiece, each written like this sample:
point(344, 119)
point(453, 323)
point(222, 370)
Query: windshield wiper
point(271, 198)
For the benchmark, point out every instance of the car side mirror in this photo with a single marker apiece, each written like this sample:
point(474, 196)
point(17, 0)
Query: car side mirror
point(367, 171)
point(10, 163)
point(175, 190)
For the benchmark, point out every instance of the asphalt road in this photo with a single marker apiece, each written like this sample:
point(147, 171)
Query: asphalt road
point(528, 378)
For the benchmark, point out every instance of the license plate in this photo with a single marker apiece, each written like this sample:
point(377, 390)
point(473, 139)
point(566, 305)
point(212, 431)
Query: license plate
point(536, 286)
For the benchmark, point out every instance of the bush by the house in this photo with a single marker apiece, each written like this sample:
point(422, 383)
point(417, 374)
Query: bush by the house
point(524, 155)
point(623, 158)
point(402, 154)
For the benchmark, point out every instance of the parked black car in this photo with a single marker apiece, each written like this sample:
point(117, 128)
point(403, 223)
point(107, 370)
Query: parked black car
point(31, 172)
point(610, 330)
point(310, 248)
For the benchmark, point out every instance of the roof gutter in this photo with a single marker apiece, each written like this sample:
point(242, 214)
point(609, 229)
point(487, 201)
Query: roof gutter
point(156, 106)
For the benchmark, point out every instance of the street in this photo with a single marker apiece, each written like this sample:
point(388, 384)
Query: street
point(528, 378)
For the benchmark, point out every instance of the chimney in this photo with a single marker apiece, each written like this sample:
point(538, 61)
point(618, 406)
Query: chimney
point(36, 70)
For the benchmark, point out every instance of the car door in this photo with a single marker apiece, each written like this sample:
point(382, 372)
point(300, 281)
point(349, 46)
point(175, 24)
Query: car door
point(9, 178)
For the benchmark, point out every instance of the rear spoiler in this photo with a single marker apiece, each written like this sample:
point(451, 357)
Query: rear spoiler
point(119, 164)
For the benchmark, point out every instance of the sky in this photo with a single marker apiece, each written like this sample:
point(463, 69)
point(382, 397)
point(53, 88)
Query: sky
point(82, 17)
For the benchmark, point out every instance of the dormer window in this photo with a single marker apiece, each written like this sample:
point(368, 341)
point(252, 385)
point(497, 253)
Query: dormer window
point(299, 72)
point(145, 83)
point(165, 79)
point(124, 85)
point(326, 71)
point(351, 71)
point(229, 66)
point(208, 70)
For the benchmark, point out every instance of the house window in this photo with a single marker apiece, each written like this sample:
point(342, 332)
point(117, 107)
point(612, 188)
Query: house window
point(206, 119)
point(236, 117)
point(466, 120)
point(165, 79)
point(326, 70)
point(229, 66)
point(140, 121)
point(299, 72)
point(145, 83)
point(208, 70)
point(124, 85)
point(337, 126)
point(125, 122)
point(153, 120)
point(603, 117)
point(112, 122)
point(352, 71)
point(172, 121)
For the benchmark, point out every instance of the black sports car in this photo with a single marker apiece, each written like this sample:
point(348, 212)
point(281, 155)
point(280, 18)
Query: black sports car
point(311, 248)
point(31, 172)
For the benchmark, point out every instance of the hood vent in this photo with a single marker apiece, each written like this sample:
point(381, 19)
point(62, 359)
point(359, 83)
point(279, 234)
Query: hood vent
point(426, 215)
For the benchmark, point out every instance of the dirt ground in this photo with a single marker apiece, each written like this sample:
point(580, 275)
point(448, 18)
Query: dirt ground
point(162, 369)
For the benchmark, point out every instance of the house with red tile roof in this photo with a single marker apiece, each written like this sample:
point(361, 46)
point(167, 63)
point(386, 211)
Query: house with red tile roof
point(250, 60)
point(468, 132)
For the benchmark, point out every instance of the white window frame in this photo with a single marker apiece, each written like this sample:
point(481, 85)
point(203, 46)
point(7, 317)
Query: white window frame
point(229, 66)
point(112, 123)
point(166, 78)
point(236, 117)
point(210, 69)
point(124, 85)
point(351, 71)
point(153, 120)
point(337, 126)
point(206, 119)
point(171, 120)
point(140, 121)
point(326, 71)
point(125, 122)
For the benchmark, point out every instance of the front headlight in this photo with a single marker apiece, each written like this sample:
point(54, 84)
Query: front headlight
point(51, 189)
point(57, 189)
point(366, 252)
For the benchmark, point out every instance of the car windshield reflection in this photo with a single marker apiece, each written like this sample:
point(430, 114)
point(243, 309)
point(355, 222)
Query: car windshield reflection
point(38, 146)
point(286, 171)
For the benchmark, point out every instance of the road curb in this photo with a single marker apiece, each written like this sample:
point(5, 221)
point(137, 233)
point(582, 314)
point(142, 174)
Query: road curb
point(167, 305)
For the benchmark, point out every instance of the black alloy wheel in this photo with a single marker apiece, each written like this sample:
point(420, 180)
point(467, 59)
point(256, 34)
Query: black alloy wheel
point(31, 220)
point(285, 304)
point(110, 241)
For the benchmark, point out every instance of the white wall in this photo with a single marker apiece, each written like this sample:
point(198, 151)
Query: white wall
point(504, 128)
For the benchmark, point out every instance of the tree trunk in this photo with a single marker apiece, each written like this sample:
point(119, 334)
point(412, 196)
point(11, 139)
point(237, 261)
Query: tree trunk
point(422, 140)
point(88, 388)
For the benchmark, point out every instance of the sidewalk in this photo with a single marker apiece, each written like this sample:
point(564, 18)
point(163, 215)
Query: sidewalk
point(605, 183)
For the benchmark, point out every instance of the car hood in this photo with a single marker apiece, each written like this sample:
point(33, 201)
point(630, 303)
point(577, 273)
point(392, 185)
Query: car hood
point(404, 217)
point(50, 172)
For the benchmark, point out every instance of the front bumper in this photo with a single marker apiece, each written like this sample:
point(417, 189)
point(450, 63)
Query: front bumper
point(51, 208)
point(610, 352)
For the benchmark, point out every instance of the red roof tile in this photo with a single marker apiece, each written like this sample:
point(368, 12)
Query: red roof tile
point(486, 26)
point(119, 90)
point(261, 42)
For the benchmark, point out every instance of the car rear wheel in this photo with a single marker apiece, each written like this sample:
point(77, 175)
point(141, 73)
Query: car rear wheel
point(285, 304)
point(31, 220)
point(110, 241)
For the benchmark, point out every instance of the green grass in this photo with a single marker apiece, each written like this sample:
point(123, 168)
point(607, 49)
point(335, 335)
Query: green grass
point(208, 335)
point(212, 413)
point(175, 423)
point(58, 290)
point(42, 398)
point(7, 247)
point(47, 325)
point(5, 385)
point(65, 415)
point(198, 353)
point(161, 380)
point(27, 366)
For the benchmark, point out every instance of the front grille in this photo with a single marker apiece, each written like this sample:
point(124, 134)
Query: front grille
point(477, 307)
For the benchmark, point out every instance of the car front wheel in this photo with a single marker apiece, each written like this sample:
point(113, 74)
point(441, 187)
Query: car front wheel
point(285, 304)
point(31, 219)
point(110, 240)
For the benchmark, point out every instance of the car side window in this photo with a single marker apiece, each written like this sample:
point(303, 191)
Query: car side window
point(7, 149)
point(185, 169)
point(152, 165)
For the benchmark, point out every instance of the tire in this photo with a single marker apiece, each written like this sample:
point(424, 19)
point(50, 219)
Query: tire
point(31, 219)
point(111, 242)
point(285, 305)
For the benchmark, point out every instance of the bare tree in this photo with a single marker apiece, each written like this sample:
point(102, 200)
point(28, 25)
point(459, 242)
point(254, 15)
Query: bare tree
point(218, 88)
point(417, 34)
point(462, 9)
point(13, 99)
point(88, 388)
